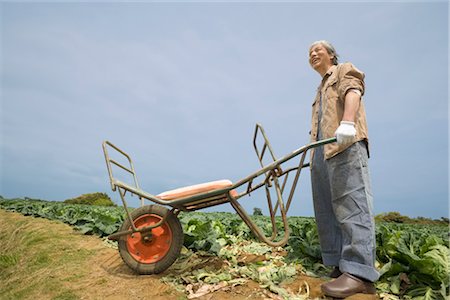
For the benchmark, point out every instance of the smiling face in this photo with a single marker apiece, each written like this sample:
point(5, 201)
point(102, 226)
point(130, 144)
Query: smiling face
point(320, 59)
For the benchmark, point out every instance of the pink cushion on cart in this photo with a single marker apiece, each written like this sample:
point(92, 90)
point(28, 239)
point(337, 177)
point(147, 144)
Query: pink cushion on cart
point(197, 189)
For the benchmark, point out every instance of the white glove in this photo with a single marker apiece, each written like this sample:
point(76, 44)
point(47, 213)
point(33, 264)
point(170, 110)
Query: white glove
point(345, 133)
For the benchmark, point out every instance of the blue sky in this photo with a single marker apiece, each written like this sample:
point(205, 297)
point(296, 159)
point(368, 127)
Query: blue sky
point(180, 87)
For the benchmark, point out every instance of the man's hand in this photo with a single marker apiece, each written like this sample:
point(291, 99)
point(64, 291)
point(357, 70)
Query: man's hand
point(345, 133)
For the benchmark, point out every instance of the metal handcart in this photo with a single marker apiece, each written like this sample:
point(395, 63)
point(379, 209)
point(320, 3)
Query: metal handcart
point(151, 236)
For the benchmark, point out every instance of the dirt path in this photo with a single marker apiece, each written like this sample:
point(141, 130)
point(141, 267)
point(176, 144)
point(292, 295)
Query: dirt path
point(84, 267)
point(78, 266)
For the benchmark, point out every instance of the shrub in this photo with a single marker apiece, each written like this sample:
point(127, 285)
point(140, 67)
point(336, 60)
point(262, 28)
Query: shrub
point(101, 199)
point(257, 211)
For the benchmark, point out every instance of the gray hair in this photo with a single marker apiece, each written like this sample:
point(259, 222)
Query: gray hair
point(330, 49)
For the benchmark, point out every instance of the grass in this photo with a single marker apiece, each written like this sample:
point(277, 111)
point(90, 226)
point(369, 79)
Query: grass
point(44, 259)
point(34, 259)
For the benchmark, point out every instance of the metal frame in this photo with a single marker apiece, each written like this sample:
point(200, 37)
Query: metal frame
point(272, 175)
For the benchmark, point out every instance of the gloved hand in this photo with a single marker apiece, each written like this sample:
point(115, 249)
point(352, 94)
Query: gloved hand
point(345, 133)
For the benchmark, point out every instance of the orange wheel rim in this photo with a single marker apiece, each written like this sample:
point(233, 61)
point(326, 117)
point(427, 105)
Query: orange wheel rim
point(154, 249)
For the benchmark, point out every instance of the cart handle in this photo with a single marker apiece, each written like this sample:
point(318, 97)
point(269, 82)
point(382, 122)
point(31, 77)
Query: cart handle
point(279, 203)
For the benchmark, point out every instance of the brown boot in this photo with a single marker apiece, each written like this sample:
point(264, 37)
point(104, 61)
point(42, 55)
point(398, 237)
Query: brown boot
point(347, 285)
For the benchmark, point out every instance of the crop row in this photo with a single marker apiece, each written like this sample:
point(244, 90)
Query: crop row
point(413, 259)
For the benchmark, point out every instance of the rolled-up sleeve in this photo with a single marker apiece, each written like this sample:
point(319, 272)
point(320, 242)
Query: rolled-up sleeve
point(350, 78)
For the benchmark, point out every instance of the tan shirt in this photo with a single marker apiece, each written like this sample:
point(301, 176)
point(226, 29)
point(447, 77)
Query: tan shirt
point(338, 80)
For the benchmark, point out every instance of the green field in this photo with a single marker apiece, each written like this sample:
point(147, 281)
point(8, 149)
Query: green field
point(412, 258)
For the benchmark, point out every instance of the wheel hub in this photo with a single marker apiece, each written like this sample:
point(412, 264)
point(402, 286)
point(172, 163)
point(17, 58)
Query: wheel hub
point(147, 238)
point(149, 247)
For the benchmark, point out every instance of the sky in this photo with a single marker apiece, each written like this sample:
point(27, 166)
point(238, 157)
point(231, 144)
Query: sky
point(181, 85)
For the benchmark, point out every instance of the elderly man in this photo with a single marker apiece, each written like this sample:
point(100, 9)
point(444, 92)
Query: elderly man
point(340, 177)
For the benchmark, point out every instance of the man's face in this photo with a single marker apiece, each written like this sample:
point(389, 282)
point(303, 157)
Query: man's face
point(319, 58)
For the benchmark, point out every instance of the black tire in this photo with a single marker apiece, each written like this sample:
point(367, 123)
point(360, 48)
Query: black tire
point(167, 246)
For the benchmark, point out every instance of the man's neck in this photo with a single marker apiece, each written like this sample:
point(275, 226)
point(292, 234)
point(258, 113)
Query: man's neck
point(324, 71)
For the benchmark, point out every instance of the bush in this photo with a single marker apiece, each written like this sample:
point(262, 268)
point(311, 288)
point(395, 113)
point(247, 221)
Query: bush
point(257, 211)
point(392, 216)
point(100, 199)
point(396, 217)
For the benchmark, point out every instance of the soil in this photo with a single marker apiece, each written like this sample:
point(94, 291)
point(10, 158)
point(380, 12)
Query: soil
point(107, 277)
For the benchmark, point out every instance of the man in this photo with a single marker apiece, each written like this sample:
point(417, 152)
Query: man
point(340, 177)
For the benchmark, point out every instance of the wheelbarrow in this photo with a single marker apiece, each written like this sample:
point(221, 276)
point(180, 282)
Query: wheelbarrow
point(151, 236)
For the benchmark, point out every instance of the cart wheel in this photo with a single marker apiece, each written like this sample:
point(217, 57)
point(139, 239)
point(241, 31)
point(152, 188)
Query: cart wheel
point(154, 251)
